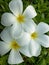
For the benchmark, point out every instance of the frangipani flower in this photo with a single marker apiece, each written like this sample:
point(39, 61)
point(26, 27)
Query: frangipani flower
point(18, 19)
point(38, 38)
point(15, 46)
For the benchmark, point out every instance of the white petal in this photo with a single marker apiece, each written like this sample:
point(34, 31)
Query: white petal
point(16, 30)
point(24, 39)
point(15, 57)
point(35, 48)
point(30, 12)
point(42, 28)
point(4, 48)
point(7, 19)
point(29, 25)
point(44, 40)
point(25, 50)
point(16, 6)
point(5, 35)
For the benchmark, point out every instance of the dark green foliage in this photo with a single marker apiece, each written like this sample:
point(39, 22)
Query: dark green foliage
point(42, 8)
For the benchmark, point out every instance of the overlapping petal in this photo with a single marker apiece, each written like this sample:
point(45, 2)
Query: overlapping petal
point(24, 39)
point(25, 50)
point(29, 26)
point(16, 30)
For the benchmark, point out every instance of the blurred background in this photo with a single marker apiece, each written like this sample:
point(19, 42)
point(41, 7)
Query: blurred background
point(42, 9)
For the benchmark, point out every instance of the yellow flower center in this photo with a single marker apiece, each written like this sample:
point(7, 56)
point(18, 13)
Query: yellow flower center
point(34, 35)
point(14, 45)
point(20, 18)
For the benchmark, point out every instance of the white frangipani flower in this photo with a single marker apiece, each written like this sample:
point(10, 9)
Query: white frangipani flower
point(38, 38)
point(18, 19)
point(15, 46)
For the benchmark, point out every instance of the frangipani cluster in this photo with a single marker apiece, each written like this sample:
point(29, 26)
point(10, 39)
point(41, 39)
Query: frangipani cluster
point(22, 34)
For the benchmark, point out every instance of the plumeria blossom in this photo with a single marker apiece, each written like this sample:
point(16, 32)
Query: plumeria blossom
point(38, 38)
point(18, 19)
point(14, 46)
